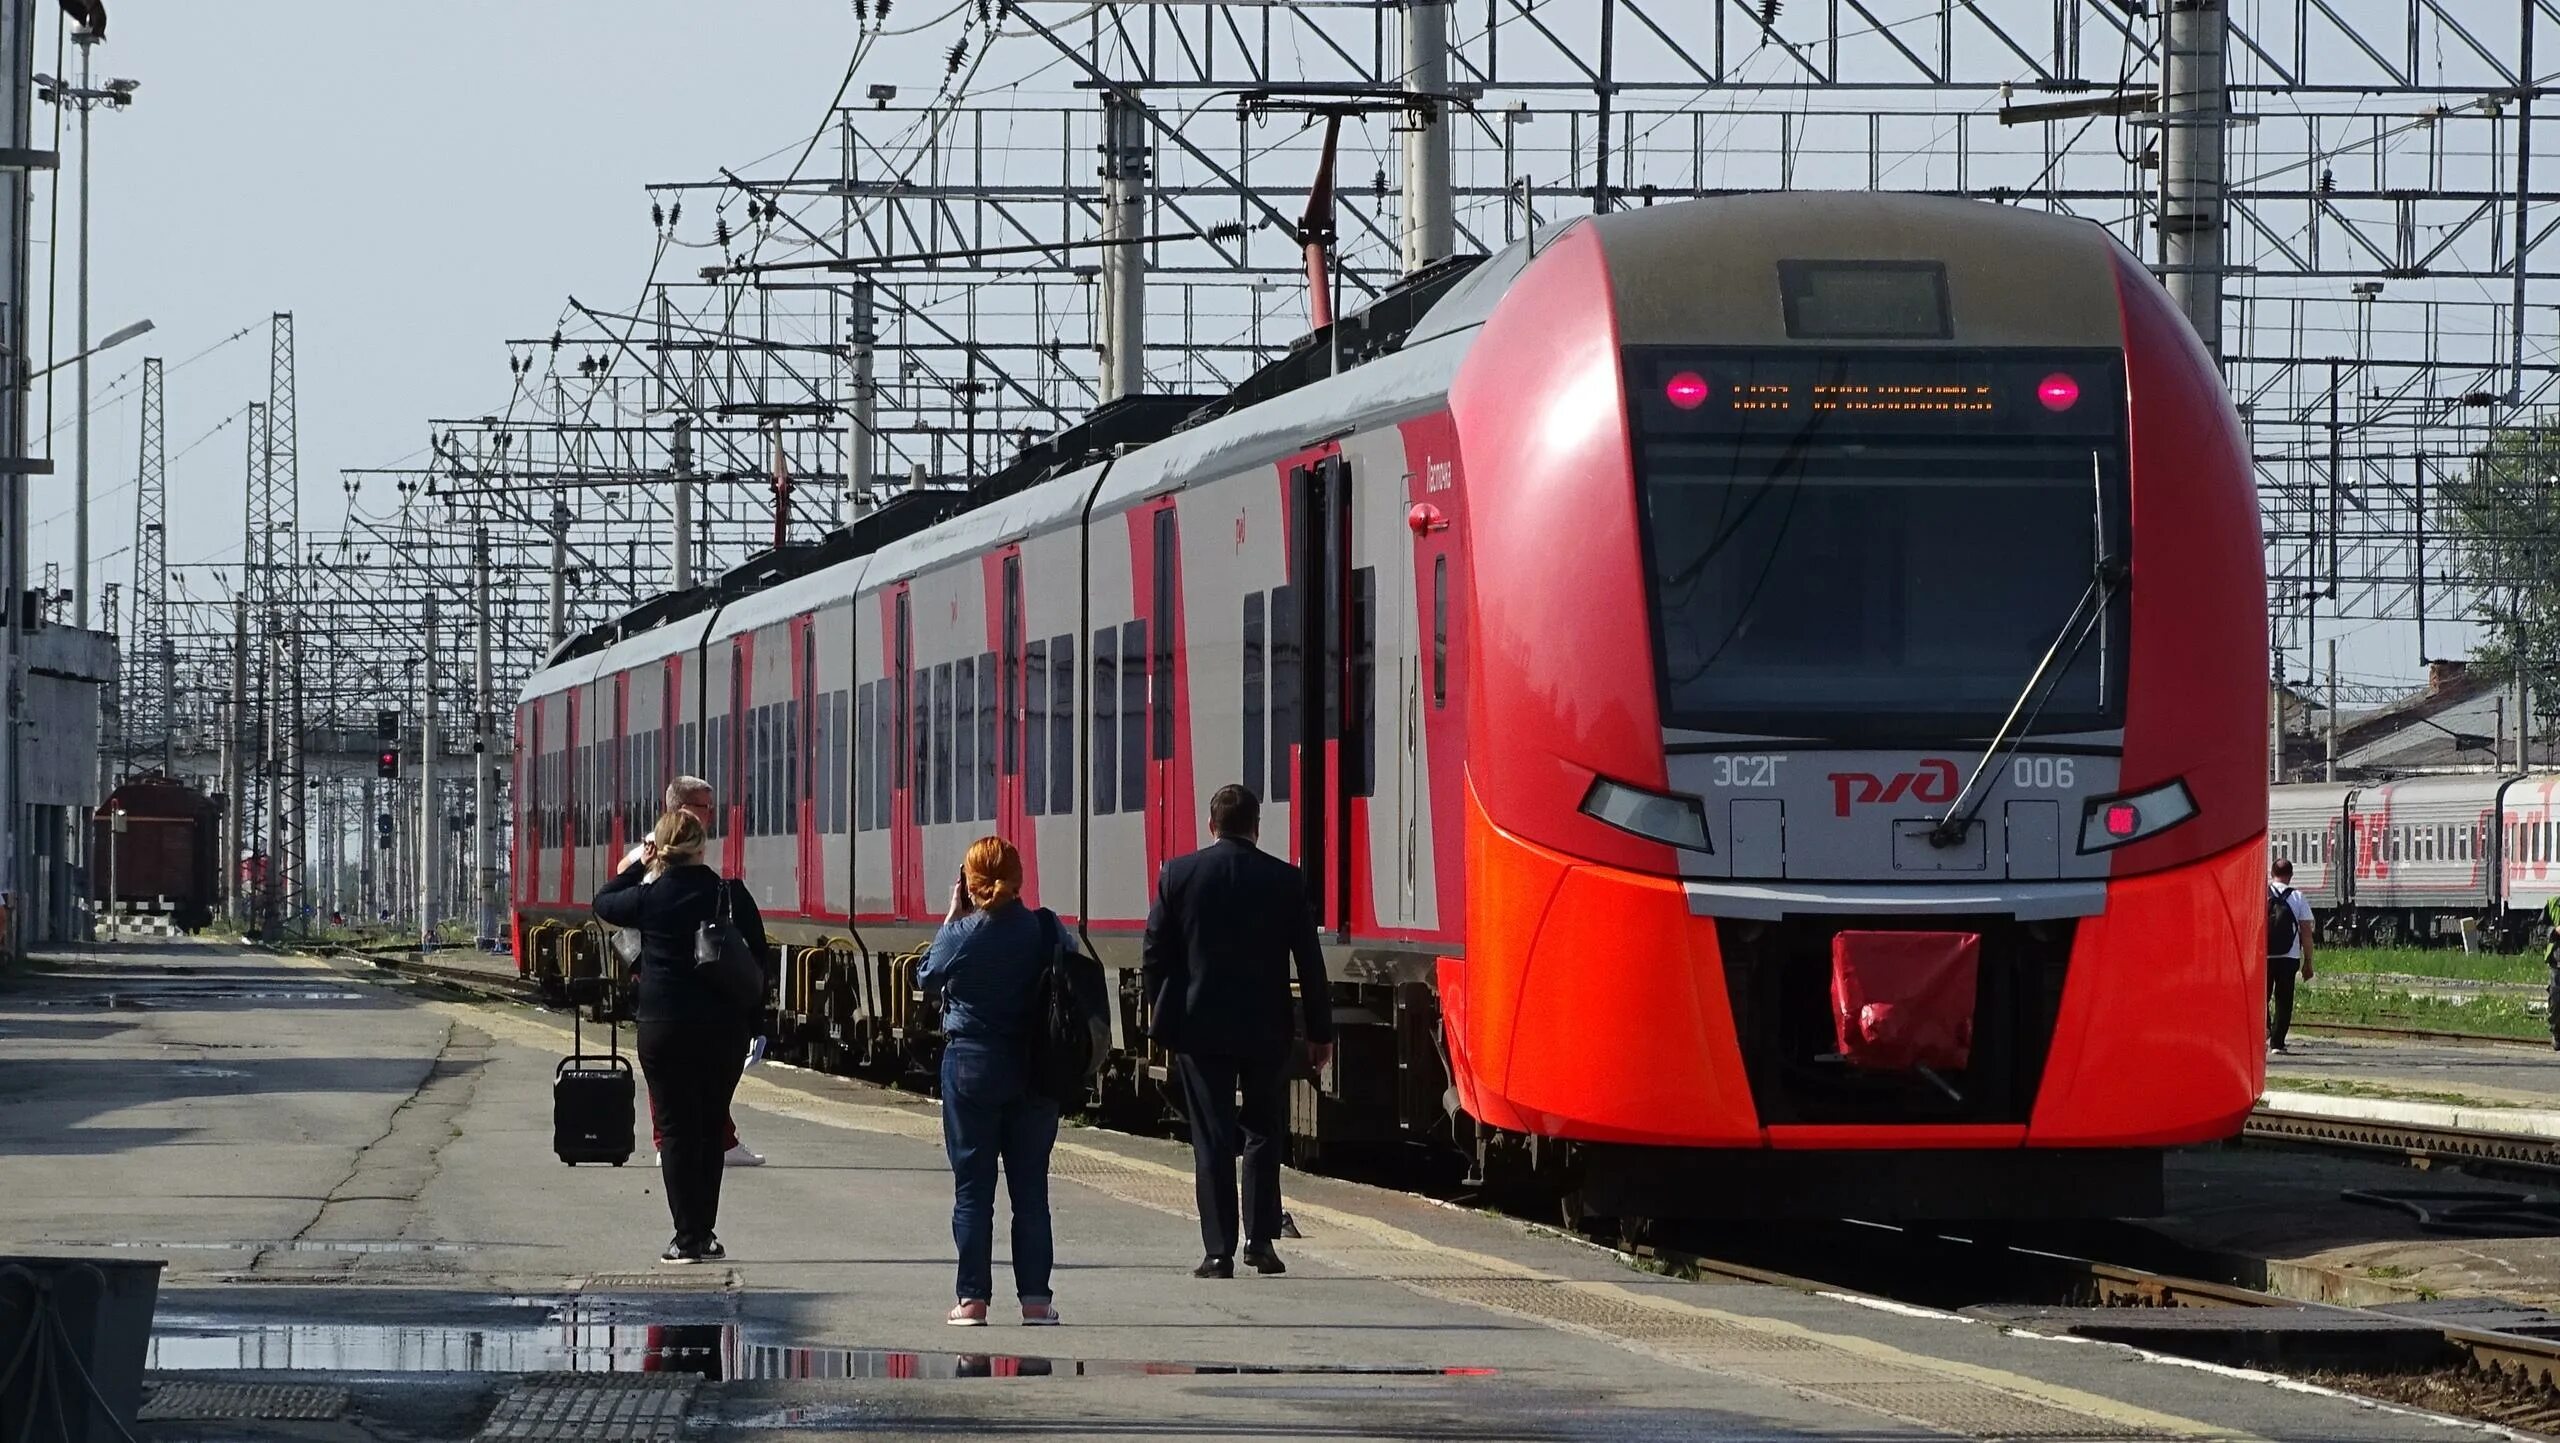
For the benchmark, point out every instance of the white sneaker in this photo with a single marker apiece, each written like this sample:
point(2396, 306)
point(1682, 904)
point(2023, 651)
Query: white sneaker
point(739, 1157)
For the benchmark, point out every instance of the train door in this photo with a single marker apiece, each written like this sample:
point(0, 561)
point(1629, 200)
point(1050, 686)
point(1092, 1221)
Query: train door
point(1323, 585)
point(1171, 821)
point(906, 781)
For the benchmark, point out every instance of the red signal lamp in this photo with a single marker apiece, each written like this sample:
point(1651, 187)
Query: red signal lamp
point(2058, 392)
point(2123, 819)
point(1687, 390)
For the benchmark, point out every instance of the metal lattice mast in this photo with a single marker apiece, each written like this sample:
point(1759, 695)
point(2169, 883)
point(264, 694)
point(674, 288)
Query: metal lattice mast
point(281, 461)
point(150, 666)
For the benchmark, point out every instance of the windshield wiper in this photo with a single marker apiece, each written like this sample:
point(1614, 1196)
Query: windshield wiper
point(2107, 575)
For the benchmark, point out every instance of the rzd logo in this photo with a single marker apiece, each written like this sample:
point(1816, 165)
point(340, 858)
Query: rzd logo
point(1934, 782)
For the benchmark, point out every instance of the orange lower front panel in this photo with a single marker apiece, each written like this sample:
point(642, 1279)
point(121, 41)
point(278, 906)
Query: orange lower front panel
point(1591, 1005)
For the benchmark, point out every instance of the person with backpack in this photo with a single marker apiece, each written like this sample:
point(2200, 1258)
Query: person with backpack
point(693, 1031)
point(2288, 949)
point(988, 962)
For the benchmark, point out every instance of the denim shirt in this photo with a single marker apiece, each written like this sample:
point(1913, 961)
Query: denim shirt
point(987, 966)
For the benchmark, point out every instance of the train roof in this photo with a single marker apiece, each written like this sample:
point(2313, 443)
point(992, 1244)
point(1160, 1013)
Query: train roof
point(1399, 355)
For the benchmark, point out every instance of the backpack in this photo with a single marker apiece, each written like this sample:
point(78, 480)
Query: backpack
point(1070, 1020)
point(2280, 924)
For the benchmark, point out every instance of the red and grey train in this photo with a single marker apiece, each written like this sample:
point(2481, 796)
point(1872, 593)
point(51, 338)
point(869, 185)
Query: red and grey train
point(1766, 693)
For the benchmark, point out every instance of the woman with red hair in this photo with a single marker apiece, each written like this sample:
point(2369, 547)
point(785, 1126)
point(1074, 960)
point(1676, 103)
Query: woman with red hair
point(986, 962)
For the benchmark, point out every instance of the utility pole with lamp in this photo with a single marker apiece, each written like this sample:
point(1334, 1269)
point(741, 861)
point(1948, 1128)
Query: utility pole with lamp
point(84, 97)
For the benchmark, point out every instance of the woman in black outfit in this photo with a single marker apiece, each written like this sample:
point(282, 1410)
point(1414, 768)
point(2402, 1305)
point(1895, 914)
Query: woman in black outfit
point(693, 1044)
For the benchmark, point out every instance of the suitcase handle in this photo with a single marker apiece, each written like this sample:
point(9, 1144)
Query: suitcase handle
point(585, 1064)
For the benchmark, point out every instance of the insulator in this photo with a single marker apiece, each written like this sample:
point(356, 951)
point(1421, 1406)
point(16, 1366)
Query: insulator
point(720, 232)
point(883, 12)
point(675, 217)
point(1769, 11)
point(959, 53)
point(2328, 182)
point(657, 215)
point(862, 10)
point(986, 12)
point(1378, 183)
point(555, 342)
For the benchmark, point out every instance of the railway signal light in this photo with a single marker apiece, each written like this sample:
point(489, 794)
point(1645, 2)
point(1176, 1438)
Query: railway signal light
point(1688, 390)
point(386, 726)
point(387, 763)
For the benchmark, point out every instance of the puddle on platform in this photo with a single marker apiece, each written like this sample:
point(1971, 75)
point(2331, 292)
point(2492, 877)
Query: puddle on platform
point(153, 998)
point(292, 1245)
point(576, 1338)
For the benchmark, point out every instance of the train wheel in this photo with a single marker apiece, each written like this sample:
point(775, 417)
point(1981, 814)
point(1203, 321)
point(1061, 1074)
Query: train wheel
point(2386, 930)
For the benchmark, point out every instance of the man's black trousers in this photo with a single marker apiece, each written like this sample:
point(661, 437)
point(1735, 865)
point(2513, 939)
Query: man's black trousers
point(1220, 1130)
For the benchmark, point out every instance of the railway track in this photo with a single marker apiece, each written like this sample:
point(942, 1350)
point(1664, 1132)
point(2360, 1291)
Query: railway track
point(2510, 1378)
point(2418, 1034)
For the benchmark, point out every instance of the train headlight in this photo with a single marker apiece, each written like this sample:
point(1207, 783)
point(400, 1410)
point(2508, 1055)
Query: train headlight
point(1680, 821)
point(2113, 821)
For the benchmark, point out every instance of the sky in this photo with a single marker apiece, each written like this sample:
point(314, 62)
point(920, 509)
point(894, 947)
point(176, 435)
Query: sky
point(418, 182)
point(415, 182)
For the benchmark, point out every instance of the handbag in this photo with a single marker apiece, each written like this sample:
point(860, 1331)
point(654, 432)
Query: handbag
point(1070, 1020)
point(725, 964)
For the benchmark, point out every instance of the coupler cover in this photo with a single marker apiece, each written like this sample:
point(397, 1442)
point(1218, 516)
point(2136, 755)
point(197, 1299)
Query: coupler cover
point(1904, 1000)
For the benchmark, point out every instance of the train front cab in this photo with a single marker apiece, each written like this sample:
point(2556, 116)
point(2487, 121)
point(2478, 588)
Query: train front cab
point(1756, 432)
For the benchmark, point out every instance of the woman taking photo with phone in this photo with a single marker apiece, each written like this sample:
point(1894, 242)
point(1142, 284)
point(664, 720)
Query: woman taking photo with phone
point(986, 962)
point(693, 1037)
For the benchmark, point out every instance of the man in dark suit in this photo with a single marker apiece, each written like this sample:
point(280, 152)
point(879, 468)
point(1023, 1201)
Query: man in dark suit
point(1228, 923)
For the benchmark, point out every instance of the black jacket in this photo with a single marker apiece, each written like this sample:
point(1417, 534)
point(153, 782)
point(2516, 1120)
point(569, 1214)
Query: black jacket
point(667, 913)
point(1228, 922)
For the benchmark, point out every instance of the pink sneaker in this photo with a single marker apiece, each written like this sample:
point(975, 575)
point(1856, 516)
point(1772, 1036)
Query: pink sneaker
point(967, 1313)
point(1040, 1315)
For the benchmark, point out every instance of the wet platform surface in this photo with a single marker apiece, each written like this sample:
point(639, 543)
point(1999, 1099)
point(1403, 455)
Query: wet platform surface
point(350, 1180)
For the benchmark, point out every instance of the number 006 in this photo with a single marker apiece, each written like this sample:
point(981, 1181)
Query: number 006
point(2041, 774)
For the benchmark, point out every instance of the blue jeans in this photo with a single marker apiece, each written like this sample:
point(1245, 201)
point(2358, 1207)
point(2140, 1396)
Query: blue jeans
point(989, 1113)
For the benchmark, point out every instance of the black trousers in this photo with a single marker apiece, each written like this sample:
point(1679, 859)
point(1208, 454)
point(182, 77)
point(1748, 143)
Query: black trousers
point(2281, 972)
point(693, 1071)
point(1220, 1130)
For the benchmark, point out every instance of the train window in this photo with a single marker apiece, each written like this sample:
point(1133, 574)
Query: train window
point(1162, 715)
point(822, 740)
point(899, 673)
point(1254, 722)
point(794, 771)
point(1062, 728)
point(1133, 714)
point(1012, 602)
point(865, 760)
point(987, 735)
point(1103, 775)
point(751, 795)
point(1360, 738)
point(920, 781)
point(1035, 723)
point(1864, 300)
point(964, 739)
point(1285, 672)
point(884, 755)
point(1440, 631)
point(840, 767)
point(942, 743)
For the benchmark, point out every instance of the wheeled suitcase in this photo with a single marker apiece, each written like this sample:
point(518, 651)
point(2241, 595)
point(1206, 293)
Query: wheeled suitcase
point(591, 1101)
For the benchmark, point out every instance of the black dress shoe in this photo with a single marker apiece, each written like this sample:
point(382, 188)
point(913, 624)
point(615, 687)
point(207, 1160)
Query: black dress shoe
point(1263, 1259)
point(1215, 1268)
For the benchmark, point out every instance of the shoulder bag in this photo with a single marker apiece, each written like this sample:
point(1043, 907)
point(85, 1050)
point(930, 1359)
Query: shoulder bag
point(722, 960)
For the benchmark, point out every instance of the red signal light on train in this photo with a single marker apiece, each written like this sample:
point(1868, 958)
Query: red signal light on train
point(1688, 390)
point(2123, 819)
point(2058, 392)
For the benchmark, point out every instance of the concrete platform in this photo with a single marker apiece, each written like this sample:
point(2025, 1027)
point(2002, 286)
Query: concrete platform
point(351, 1182)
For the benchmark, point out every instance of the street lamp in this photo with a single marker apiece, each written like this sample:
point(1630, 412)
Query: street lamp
point(85, 96)
point(113, 340)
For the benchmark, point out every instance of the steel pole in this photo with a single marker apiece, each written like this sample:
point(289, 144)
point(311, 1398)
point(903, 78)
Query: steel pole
point(679, 544)
point(484, 779)
point(1430, 221)
point(860, 451)
point(17, 192)
point(80, 367)
point(426, 849)
point(2194, 113)
point(1124, 271)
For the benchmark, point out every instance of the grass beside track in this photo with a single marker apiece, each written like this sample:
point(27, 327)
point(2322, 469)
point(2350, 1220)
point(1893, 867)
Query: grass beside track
point(2450, 964)
point(2351, 998)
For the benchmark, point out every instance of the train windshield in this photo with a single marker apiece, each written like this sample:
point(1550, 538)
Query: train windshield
point(1862, 547)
